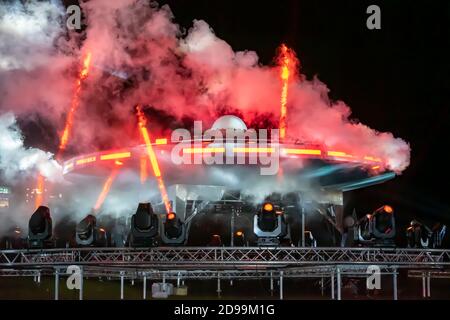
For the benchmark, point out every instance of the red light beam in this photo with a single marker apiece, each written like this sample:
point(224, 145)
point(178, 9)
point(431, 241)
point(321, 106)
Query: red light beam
point(105, 190)
point(74, 105)
point(288, 63)
point(152, 156)
point(39, 191)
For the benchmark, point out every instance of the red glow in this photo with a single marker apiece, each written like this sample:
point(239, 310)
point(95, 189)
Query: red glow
point(369, 158)
point(160, 141)
point(339, 154)
point(203, 150)
point(253, 150)
point(288, 61)
point(114, 156)
point(39, 191)
point(105, 190)
point(86, 160)
point(143, 169)
point(388, 209)
point(171, 216)
point(74, 105)
point(268, 207)
point(303, 151)
point(152, 156)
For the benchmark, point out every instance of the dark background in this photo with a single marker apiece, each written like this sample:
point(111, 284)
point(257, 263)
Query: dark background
point(395, 79)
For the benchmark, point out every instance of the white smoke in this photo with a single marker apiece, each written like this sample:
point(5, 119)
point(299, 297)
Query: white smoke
point(16, 159)
point(27, 33)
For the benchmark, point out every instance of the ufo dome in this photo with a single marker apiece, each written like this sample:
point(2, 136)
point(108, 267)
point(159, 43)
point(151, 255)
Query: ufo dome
point(229, 122)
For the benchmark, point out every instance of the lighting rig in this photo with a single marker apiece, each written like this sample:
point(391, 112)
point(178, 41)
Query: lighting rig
point(40, 229)
point(377, 229)
point(173, 230)
point(89, 235)
point(144, 227)
point(269, 225)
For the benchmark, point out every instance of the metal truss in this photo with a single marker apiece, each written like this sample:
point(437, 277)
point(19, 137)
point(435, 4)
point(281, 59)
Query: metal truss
point(236, 274)
point(223, 257)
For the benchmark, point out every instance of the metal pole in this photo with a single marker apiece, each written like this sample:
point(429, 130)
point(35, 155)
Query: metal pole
point(394, 277)
point(121, 284)
point(424, 293)
point(232, 228)
point(178, 279)
point(303, 227)
point(218, 285)
point(428, 285)
point(332, 286)
point(321, 286)
point(281, 285)
point(338, 279)
point(81, 284)
point(271, 283)
point(56, 284)
point(144, 294)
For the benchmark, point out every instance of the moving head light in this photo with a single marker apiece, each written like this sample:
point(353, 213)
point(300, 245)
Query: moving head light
point(173, 230)
point(87, 233)
point(40, 229)
point(144, 227)
point(378, 228)
point(269, 225)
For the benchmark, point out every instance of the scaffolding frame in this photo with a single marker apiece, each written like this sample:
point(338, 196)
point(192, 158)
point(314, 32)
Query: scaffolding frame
point(227, 263)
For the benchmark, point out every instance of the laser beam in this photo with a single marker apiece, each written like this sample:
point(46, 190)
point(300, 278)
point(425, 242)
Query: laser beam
point(105, 190)
point(152, 157)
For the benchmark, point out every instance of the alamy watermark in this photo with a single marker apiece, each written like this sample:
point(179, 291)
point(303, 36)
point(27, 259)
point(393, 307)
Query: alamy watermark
point(374, 20)
point(74, 279)
point(74, 17)
point(227, 146)
point(373, 280)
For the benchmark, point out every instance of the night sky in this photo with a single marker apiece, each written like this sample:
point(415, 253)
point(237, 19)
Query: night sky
point(395, 79)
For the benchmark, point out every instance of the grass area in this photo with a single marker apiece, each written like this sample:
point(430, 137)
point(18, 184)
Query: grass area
point(103, 289)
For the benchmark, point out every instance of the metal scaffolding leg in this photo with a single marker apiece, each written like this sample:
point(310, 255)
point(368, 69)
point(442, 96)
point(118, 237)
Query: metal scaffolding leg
point(81, 284)
point(56, 284)
point(321, 286)
point(332, 286)
point(271, 283)
point(303, 227)
point(178, 279)
point(122, 278)
point(144, 293)
point(394, 279)
point(232, 228)
point(338, 279)
point(428, 285)
point(218, 285)
point(281, 285)
point(424, 292)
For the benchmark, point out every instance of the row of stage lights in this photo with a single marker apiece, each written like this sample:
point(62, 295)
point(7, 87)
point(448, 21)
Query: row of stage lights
point(269, 226)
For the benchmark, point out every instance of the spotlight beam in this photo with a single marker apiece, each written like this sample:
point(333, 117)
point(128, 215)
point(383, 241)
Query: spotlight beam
point(152, 157)
point(74, 105)
point(288, 61)
point(105, 190)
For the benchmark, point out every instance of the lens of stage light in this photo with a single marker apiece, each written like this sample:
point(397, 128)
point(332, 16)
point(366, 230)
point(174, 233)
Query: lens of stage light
point(268, 207)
